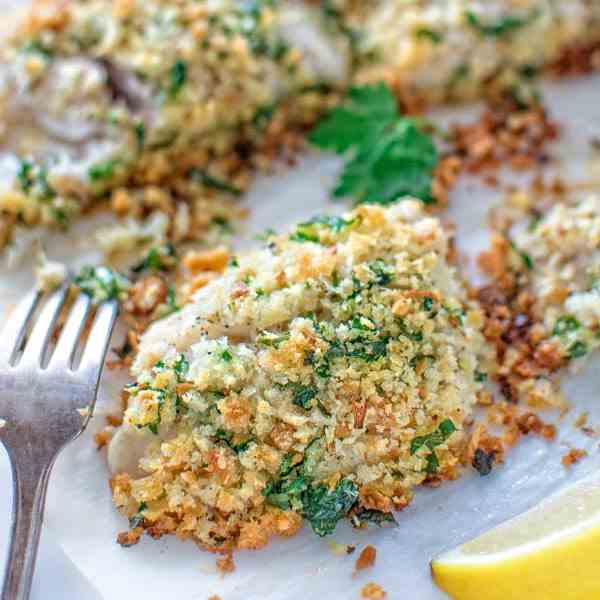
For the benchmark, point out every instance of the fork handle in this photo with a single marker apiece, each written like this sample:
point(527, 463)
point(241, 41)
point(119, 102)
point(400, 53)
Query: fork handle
point(30, 481)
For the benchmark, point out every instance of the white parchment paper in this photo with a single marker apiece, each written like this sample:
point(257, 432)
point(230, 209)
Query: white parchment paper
point(82, 520)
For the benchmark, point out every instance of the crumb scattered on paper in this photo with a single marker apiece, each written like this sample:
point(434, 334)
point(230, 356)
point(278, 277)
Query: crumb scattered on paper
point(366, 558)
point(373, 591)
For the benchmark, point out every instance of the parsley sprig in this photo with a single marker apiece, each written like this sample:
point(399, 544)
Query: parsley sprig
point(390, 156)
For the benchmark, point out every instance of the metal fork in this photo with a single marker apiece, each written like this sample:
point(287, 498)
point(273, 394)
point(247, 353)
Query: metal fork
point(39, 404)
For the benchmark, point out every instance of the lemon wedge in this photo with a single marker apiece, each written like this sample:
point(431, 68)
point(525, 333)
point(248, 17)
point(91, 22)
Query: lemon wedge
point(550, 552)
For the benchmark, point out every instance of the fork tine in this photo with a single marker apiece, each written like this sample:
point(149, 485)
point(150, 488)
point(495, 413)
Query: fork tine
point(42, 329)
point(67, 342)
point(16, 326)
point(97, 342)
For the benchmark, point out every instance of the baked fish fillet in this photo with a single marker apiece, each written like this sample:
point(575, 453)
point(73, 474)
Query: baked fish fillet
point(323, 376)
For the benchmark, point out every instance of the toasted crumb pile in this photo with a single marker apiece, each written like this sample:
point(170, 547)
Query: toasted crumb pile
point(508, 133)
point(325, 375)
point(543, 305)
point(373, 591)
point(159, 105)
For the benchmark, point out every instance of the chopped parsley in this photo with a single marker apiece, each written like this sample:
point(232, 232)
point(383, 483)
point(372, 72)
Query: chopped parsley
point(250, 27)
point(153, 427)
point(430, 441)
point(208, 180)
point(171, 304)
point(33, 179)
point(321, 506)
point(226, 355)
point(263, 115)
point(384, 272)
point(324, 507)
point(391, 157)
point(159, 258)
point(566, 324)
point(102, 283)
point(140, 134)
point(361, 516)
point(304, 395)
point(577, 350)
point(369, 351)
point(428, 303)
point(24, 175)
point(37, 47)
point(502, 26)
point(228, 438)
point(138, 518)
point(309, 230)
point(480, 376)
point(181, 366)
point(177, 78)
point(429, 34)
point(103, 170)
point(272, 339)
point(527, 260)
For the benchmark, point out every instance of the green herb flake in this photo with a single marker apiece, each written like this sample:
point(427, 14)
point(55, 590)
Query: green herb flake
point(384, 273)
point(177, 78)
point(102, 283)
point(140, 134)
point(263, 115)
point(303, 396)
point(527, 260)
point(159, 258)
point(171, 303)
point(428, 303)
point(271, 339)
point(445, 429)
point(309, 231)
point(103, 170)
point(208, 180)
point(37, 47)
point(577, 350)
point(323, 508)
point(566, 324)
point(363, 516)
point(181, 366)
point(226, 355)
point(429, 34)
point(138, 518)
point(480, 376)
point(391, 156)
point(430, 441)
point(24, 175)
point(503, 26)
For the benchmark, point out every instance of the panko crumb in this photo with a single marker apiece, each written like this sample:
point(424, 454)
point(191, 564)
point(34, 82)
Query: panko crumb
point(574, 455)
point(129, 538)
point(366, 558)
point(373, 591)
point(49, 274)
point(102, 438)
point(225, 564)
point(340, 549)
